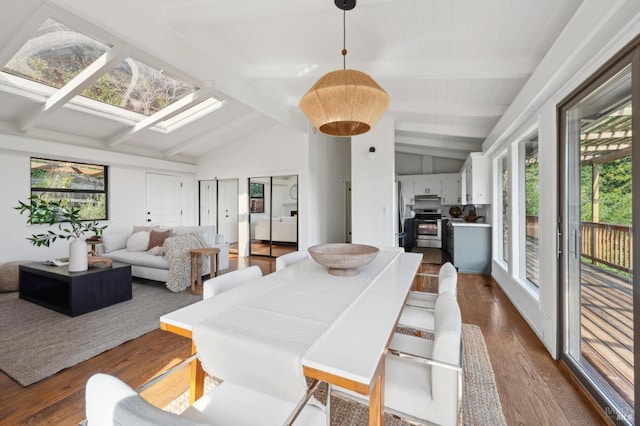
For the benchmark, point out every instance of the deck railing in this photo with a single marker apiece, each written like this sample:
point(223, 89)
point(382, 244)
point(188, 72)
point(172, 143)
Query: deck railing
point(602, 243)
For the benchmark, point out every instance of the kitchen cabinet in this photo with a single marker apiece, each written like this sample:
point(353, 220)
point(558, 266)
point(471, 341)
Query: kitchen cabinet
point(476, 179)
point(469, 245)
point(427, 185)
point(450, 193)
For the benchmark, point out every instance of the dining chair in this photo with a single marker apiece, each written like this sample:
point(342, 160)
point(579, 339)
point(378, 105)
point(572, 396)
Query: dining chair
point(427, 300)
point(224, 282)
point(290, 259)
point(110, 401)
point(423, 378)
point(422, 318)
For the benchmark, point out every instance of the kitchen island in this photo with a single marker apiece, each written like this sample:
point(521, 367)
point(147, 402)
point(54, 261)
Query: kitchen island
point(469, 245)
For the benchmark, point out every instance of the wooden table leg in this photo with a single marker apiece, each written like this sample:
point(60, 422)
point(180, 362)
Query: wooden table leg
point(196, 386)
point(376, 399)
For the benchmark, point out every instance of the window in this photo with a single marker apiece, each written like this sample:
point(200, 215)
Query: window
point(130, 91)
point(531, 203)
point(84, 186)
point(256, 195)
point(504, 184)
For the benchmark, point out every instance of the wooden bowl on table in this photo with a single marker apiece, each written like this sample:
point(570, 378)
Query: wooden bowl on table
point(343, 259)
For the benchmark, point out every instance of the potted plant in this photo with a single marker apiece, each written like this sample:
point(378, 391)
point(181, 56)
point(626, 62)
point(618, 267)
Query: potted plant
point(70, 227)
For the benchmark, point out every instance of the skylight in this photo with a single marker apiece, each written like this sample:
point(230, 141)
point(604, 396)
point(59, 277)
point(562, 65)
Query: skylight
point(130, 92)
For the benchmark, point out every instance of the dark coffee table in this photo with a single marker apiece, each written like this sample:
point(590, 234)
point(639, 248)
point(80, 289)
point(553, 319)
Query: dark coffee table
point(75, 293)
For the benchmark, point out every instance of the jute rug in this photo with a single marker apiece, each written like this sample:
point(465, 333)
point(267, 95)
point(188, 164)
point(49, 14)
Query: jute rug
point(480, 400)
point(36, 342)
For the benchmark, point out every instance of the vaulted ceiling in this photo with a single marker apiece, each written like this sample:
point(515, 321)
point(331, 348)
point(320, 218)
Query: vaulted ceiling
point(451, 68)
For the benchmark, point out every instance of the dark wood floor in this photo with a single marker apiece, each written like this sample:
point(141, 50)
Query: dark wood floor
point(532, 388)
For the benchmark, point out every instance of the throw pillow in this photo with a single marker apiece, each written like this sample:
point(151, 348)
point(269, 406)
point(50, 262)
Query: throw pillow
point(156, 238)
point(138, 241)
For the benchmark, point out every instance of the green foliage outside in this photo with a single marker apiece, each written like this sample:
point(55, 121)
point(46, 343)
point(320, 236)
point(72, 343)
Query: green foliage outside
point(616, 194)
point(532, 189)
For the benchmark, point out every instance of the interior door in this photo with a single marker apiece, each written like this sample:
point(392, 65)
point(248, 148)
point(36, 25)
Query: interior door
point(228, 210)
point(208, 202)
point(597, 288)
point(163, 199)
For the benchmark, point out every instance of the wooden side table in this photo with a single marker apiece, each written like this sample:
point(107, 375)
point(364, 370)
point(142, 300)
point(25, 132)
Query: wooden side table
point(196, 266)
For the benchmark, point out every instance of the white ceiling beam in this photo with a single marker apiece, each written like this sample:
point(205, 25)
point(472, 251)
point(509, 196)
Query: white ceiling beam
point(464, 68)
point(434, 152)
point(448, 109)
point(444, 144)
point(438, 129)
point(216, 12)
point(173, 109)
point(110, 59)
point(230, 126)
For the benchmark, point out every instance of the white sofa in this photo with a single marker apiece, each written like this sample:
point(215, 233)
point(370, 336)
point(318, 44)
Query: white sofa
point(155, 267)
point(285, 229)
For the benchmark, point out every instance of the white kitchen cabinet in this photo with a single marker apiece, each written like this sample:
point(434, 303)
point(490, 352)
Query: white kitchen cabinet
point(476, 179)
point(407, 188)
point(427, 185)
point(450, 193)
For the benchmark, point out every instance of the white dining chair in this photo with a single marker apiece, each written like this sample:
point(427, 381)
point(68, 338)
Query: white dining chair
point(110, 401)
point(423, 378)
point(427, 300)
point(290, 259)
point(422, 318)
point(224, 282)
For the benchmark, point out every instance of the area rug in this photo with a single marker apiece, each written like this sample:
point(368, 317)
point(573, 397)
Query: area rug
point(480, 400)
point(36, 342)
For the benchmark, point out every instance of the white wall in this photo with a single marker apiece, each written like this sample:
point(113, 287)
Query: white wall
point(595, 34)
point(276, 151)
point(329, 169)
point(374, 205)
point(126, 190)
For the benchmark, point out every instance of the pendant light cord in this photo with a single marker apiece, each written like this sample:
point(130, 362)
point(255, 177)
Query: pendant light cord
point(344, 39)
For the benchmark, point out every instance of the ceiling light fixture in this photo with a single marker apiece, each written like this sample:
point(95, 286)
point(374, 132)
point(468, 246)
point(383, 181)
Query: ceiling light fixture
point(345, 102)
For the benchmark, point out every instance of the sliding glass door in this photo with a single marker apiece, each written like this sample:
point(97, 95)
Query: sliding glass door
point(273, 215)
point(598, 168)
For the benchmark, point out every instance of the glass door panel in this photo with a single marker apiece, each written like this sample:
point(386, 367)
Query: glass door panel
point(598, 342)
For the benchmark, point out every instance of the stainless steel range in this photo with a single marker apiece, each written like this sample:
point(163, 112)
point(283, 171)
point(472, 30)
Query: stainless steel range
point(428, 228)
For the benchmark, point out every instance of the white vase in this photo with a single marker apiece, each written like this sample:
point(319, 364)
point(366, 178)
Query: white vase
point(78, 257)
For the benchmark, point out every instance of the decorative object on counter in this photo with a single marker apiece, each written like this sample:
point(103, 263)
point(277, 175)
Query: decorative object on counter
point(42, 211)
point(455, 211)
point(472, 218)
point(343, 259)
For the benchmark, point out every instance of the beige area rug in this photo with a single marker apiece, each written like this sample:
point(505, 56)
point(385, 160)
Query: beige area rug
point(36, 342)
point(429, 255)
point(480, 400)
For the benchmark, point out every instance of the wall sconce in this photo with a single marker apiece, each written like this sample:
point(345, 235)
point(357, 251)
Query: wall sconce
point(372, 153)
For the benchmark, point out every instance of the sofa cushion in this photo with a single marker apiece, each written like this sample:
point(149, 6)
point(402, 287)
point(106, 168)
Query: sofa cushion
point(139, 258)
point(138, 241)
point(114, 241)
point(156, 238)
point(148, 228)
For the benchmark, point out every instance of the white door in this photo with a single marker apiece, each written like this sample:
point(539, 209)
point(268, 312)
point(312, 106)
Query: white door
point(208, 202)
point(163, 199)
point(228, 210)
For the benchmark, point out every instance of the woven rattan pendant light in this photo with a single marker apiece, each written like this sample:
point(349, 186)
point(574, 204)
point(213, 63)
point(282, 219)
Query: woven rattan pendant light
point(345, 102)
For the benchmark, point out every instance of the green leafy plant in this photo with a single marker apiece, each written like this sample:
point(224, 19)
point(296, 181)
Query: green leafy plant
point(50, 212)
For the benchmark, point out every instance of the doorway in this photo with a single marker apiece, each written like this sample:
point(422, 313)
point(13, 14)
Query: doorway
point(273, 215)
point(597, 284)
point(219, 207)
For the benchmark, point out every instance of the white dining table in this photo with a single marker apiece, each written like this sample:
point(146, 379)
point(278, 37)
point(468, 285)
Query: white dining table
point(347, 350)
